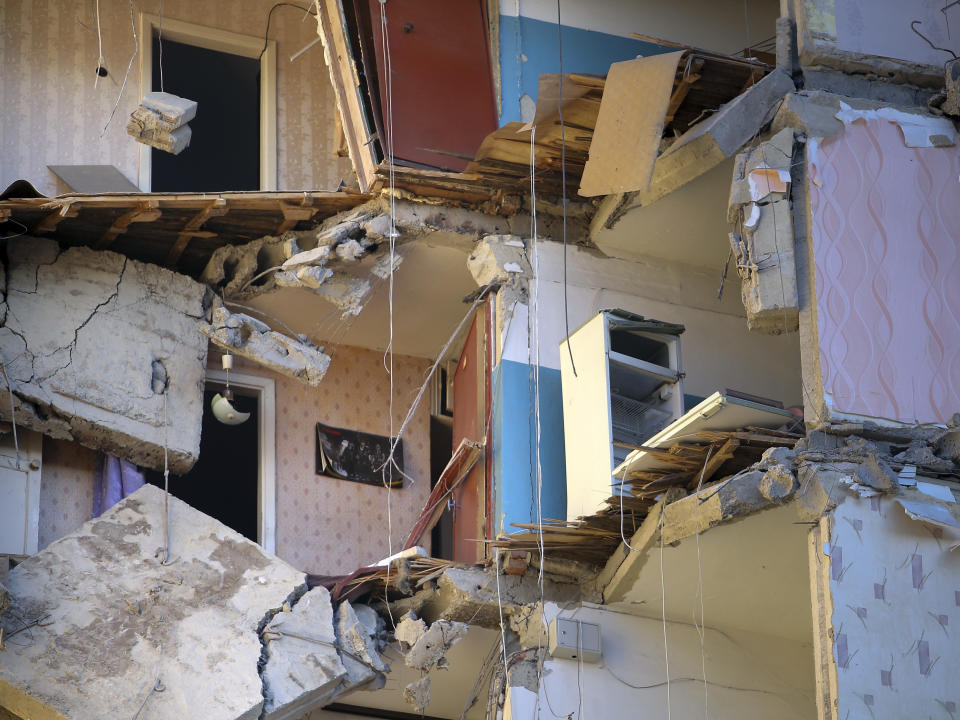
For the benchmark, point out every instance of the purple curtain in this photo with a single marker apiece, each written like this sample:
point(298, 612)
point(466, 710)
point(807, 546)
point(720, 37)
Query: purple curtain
point(113, 480)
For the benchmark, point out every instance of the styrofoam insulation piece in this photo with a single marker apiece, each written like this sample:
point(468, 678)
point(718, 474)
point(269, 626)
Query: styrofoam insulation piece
point(918, 130)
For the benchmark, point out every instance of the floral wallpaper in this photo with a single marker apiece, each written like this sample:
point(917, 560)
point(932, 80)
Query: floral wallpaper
point(885, 219)
point(59, 113)
point(895, 585)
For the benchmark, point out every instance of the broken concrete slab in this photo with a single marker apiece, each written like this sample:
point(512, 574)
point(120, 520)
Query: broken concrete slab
point(172, 110)
point(499, 259)
point(119, 623)
point(409, 630)
point(83, 334)
point(703, 147)
point(303, 668)
point(417, 694)
point(763, 242)
point(358, 630)
point(431, 648)
point(250, 338)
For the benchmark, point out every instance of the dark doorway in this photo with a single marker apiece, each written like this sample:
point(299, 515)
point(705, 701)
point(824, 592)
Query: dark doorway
point(224, 483)
point(441, 449)
point(224, 151)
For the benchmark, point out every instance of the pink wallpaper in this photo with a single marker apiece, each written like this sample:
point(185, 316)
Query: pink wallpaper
point(329, 526)
point(886, 242)
point(895, 586)
point(66, 489)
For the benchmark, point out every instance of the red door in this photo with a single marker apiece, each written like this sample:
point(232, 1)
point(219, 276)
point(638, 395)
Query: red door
point(470, 401)
point(443, 102)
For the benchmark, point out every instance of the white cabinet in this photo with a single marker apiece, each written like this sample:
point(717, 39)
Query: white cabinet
point(624, 386)
point(20, 493)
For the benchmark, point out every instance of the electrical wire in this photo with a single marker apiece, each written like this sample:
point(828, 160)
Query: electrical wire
point(700, 628)
point(126, 75)
point(99, 48)
point(663, 615)
point(266, 33)
point(160, 42)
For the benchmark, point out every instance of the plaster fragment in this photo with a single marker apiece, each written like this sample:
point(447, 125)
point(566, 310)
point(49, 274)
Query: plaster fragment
point(918, 130)
point(430, 650)
point(417, 693)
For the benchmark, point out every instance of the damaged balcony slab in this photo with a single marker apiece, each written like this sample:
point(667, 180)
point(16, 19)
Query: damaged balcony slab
point(93, 341)
point(121, 632)
point(250, 338)
point(704, 146)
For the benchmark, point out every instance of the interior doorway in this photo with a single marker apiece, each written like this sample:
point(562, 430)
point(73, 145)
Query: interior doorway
point(224, 150)
point(233, 78)
point(234, 479)
point(223, 483)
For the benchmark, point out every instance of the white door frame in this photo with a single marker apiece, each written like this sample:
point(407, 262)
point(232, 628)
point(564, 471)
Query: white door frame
point(267, 471)
point(221, 41)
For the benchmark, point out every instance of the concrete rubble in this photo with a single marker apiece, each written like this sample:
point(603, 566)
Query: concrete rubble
point(425, 649)
point(161, 122)
point(223, 630)
point(762, 241)
point(85, 336)
point(310, 658)
point(250, 338)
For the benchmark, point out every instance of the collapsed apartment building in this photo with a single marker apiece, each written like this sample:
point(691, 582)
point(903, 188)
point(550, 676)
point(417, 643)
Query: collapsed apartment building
point(486, 429)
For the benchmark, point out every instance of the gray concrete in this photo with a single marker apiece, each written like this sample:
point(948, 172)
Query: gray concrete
point(303, 668)
point(250, 338)
point(83, 333)
point(121, 624)
point(762, 241)
point(359, 630)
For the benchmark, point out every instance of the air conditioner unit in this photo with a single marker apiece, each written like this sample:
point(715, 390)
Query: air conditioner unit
point(623, 386)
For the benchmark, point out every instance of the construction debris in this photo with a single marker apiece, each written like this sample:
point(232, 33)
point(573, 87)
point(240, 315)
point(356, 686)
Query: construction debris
point(116, 625)
point(762, 241)
point(246, 336)
point(84, 335)
point(161, 122)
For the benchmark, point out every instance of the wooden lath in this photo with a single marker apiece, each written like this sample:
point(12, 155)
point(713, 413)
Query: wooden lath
point(145, 211)
point(191, 229)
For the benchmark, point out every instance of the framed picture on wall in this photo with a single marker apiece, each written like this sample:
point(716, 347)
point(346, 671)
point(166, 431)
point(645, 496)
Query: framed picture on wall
point(358, 456)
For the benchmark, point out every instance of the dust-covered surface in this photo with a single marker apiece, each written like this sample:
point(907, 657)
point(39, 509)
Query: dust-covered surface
point(116, 629)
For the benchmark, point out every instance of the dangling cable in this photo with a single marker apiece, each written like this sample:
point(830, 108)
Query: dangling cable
point(136, 50)
point(563, 187)
point(160, 42)
point(100, 58)
point(663, 614)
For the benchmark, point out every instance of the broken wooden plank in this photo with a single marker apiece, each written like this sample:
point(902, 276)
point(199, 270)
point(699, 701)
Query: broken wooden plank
point(691, 74)
point(292, 214)
point(50, 221)
point(145, 212)
point(192, 227)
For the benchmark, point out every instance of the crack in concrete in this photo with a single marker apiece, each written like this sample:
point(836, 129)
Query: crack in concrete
point(291, 601)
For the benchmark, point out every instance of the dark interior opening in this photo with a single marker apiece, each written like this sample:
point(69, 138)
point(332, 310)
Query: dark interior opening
point(224, 482)
point(640, 347)
point(224, 151)
point(441, 450)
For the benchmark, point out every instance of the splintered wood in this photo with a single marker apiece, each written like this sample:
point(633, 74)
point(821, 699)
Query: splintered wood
point(701, 458)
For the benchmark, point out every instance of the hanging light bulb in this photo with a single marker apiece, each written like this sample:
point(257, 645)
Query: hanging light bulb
point(223, 409)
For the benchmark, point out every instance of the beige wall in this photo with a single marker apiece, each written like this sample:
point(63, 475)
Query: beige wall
point(324, 526)
point(52, 114)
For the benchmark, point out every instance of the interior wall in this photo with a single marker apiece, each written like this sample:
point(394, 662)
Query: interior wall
point(66, 489)
point(717, 349)
point(54, 115)
point(895, 592)
point(748, 675)
point(328, 526)
point(886, 274)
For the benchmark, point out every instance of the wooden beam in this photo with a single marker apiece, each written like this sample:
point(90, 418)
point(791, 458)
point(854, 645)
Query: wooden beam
point(331, 26)
point(145, 212)
point(192, 229)
point(292, 214)
point(49, 222)
point(691, 74)
point(718, 458)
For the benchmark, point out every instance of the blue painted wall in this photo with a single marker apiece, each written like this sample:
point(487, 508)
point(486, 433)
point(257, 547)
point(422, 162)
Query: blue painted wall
point(584, 51)
point(514, 439)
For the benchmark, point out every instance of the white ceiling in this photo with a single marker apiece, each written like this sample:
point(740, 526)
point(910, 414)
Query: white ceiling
point(429, 286)
point(755, 577)
point(688, 225)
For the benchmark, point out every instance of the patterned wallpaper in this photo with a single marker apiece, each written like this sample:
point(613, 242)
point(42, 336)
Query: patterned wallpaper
point(896, 609)
point(330, 526)
point(53, 115)
point(324, 525)
point(66, 489)
point(887, 256)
